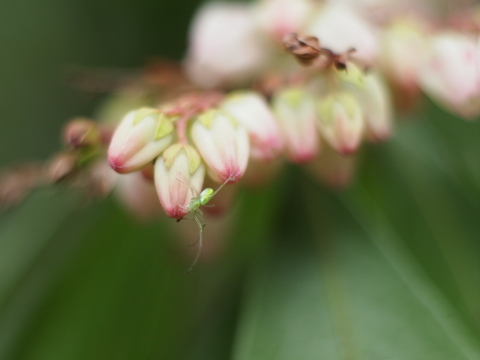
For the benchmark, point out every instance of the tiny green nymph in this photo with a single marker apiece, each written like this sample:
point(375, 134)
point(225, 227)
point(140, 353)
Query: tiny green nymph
point(194, 209)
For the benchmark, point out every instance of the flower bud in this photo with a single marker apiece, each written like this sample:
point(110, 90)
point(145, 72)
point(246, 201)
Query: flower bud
point(253, 113)
point(224, 47)
point(223, 144)
point(179, 175)
point(138, 195)
point(400, 40)
point(141, 136)
point(352, 76)
point(450, 73)
point(295, 112)
point(80, 133)
point(377, 109)
point(102, 179)
point(341, 122)
point(339, 28)
point(62, 167)
point(281, 17)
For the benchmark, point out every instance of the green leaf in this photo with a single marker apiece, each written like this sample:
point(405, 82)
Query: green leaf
point(27, 234)
point(342, 284)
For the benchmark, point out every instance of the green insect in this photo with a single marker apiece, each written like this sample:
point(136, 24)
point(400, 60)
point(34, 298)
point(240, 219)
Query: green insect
point(193, 208)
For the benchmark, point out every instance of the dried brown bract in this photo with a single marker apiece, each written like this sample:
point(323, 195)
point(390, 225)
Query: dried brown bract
point(304, 48)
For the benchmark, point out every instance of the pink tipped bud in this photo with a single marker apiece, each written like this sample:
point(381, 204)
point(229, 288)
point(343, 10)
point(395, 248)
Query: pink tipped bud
point(179, 175)
point(252, 112)
point(223, 144)
point(295, 112)
point(377, 108)
point(341, 122)
point(141, 136)
point(450, 73)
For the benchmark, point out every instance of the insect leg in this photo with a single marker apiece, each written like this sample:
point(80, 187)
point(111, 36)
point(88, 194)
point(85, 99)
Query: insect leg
point(221, 186)
point(192, 189)
point(198, 217)
point(201, 225)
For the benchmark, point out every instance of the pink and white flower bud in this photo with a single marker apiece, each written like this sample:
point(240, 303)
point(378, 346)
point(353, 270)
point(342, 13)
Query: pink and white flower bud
point(179, 175)
point(377, 108)
point(252, 112)
point(341, 122)
point(281, 17)
point(223, 144)
point(224, 46)
point(450, 73)
point(401, 41)
point(295, 112)
point(140, 137)
point(339, 28)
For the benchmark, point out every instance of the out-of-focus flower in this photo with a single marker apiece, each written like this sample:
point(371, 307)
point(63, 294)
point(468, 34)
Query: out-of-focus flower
point(450, 72)
point(402, 41)
point(62, 167)
point(340, 121)
point(374, 99)
point(340, 29)
point(392, 6)
point(295, 112)
point(102, 178)
point(138, 195)
point(179, 175)
point(223, 144)
point(141, 136)
point(224, 46)
point(281, 17)
point(252, 111)
point(18, 181)
point(80, 133)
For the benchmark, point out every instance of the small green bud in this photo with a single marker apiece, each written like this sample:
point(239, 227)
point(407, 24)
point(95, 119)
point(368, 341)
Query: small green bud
point(341, 121)
point(352, 75)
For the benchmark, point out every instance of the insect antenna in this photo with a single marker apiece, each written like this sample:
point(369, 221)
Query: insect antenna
point(192, 189)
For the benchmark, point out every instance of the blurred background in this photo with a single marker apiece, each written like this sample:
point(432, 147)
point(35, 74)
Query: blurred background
point(388, 268)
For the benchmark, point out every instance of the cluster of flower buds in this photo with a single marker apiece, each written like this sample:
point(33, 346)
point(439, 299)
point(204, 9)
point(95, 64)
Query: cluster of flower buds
point(79, 164)
point(414, 45)
point(193, 136)
point(216, 133)
point(319, 75)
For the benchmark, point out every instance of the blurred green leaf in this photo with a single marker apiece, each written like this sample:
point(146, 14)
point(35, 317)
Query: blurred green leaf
point(432, 210)
point(26, 235)
point(356, 294)
point(388, 269)
point(119, 297)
